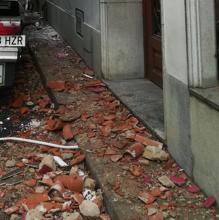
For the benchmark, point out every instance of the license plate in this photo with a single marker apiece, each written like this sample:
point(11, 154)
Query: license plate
point(13, 41)
point(2, 74)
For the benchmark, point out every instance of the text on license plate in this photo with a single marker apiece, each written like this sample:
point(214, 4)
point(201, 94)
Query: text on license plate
point(13, 41)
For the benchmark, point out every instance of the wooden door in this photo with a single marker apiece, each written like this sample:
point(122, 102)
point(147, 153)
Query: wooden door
point(152, 41)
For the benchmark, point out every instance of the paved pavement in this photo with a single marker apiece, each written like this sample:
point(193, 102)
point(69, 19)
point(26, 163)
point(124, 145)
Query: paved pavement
point(138, 177)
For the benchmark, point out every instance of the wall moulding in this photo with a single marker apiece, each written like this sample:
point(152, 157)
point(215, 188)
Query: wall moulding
point(201, 42)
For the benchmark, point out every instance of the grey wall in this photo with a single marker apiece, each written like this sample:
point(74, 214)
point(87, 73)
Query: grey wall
point(122, 39)
point(205, 146)
point(91, 9)
point(61, 15)
point(176, 93)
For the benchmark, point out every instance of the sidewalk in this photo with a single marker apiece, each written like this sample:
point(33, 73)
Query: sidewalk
point(138, 177)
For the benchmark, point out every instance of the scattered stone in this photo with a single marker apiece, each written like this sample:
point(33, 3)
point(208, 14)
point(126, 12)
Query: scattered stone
point(10, 163)
point(136, 150)
point(34, 123)
point(155, 153)
point(70, 116)
point(116, 158)
point(165, 181)
point(89, 209)
point(15, 217)
point(49, 162)
point(157, 216)
point(144, 162)
point(34, 214)
point(67, 156)
point(74, 170)
point(172, 213)
point(147, 198)
point(40, 189)
point(89, 183)
point(29, 104)
point(72, 216)
point(152, 211)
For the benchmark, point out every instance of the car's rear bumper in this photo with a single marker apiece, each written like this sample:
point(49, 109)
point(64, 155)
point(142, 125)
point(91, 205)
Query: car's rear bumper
point(8, 54)
point(8, 59)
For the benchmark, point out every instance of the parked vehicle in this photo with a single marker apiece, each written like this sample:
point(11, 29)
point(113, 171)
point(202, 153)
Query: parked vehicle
point(11, 40)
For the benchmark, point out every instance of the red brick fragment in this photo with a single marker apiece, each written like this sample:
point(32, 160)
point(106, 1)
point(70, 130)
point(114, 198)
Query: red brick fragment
point(20, 164)
point(210, 201)
point(2, 205)
point(136, 150)
point(156, 192)
point(51, 206)
point(34, 199)
point(147, 141)
point(78, 159)
point(44, 170)
point(147, 198)
point(11, 210)
point(54, 124)
point(67, 132)
point(18, 102)
point(178, 180)
point(73, 183)
point(135, 170)
point(193, 189)
point(57, 85)
point(106, 131)
point(30, 182)
point(24, 110)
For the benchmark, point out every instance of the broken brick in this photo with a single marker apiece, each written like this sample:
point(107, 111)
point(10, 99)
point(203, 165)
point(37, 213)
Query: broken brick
point(73, 183)
point(24, 110)
point(18, 102)
point(135, 170)
point(67, 132)
point(210, 201)
point(147, 198)
point(58, 85)
point(136, 150)
point(179, 181)
point(106, 131)
point(193, 189)
point(34, 199)
point(147, 141)
point(30, 182)
point(54, 124)
point(78, 159)
point(157, 216)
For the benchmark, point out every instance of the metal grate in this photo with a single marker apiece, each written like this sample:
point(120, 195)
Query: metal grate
point(79, 21)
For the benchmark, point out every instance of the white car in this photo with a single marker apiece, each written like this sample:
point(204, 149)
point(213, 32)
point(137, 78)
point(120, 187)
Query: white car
point(11, 40)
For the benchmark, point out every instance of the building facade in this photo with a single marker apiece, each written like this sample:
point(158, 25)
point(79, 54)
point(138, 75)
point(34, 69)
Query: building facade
point(173, 44)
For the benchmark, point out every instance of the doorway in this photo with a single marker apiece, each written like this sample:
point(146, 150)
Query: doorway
point(153, 41)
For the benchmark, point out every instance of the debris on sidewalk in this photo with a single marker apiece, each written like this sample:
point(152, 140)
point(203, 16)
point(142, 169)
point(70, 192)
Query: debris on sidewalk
point(90, 145)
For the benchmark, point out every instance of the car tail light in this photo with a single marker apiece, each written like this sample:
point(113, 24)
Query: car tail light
point(10, 27)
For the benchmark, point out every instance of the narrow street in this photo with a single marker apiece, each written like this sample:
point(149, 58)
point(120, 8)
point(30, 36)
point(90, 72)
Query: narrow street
point(120, 171)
